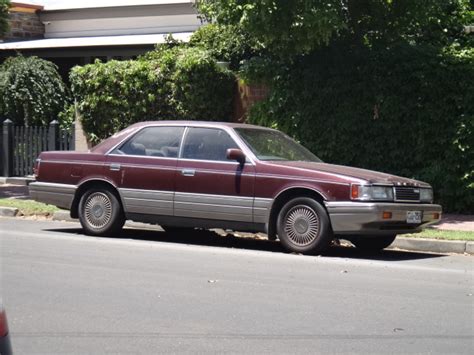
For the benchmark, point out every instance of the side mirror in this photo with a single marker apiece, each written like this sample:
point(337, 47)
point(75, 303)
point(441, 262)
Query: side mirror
point(236, 154)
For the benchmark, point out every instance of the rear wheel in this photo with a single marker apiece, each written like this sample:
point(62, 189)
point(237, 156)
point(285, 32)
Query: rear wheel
point(373, 243)
point(303, 226)
point(100, 212)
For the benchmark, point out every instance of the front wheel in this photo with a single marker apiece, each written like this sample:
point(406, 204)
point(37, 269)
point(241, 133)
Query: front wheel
point(100, 212)
point(303, 226)
point(373, 243)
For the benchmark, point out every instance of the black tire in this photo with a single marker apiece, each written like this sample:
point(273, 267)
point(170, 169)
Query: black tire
point(303, 226)
point(100, 212)
point(373, 243)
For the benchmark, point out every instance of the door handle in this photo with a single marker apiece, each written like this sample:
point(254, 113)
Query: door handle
point(188, 172)
point(115, 167)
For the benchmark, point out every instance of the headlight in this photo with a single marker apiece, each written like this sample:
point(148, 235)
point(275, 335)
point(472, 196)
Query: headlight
point(372, 193)
point(426, 195)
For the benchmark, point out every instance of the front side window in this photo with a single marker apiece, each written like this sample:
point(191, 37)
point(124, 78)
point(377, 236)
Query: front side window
point(270, 145)
point(207, 144)
point(154, 142)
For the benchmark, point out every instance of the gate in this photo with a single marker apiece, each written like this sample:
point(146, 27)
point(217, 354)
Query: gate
point(22, 145)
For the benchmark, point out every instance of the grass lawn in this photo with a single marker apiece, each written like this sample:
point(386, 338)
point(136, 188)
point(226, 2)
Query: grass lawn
point(443, 234)
point(28, 207)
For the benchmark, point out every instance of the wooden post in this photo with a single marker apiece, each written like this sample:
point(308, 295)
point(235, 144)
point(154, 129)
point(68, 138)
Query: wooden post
point(7, 148)
point(53, 135)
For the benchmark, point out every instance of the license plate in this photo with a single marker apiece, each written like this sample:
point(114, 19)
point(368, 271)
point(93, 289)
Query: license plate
point(414, 217)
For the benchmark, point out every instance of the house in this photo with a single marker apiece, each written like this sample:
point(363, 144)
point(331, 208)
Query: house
point(77, 32)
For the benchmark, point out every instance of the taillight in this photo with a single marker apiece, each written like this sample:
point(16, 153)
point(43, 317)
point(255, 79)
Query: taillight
point(37, 167)
point(3, 323)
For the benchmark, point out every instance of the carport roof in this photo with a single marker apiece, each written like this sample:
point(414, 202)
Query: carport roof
point(52, 5)
point(101, 41)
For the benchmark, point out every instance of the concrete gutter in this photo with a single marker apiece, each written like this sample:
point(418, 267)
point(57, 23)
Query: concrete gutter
point(411, 244)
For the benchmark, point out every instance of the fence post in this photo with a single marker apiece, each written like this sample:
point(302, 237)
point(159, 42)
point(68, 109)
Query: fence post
point(73, 137)
point(53, 135)
point(7, 148)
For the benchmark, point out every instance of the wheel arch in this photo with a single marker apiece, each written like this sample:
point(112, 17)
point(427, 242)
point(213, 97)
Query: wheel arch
point(286, 195)
point(85, 185)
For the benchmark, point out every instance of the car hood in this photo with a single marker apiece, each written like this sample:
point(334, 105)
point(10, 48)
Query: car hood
point(357, 173)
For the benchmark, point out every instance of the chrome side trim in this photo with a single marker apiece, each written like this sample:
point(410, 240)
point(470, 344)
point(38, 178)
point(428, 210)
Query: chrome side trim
point(147, 201)
point(60, 195)
point(287, 177)
point(75, 162)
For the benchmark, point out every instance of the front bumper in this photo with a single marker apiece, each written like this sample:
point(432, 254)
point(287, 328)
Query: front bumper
point(365, 218)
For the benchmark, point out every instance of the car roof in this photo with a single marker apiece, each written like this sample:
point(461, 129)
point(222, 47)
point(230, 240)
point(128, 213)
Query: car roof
point(196, 124)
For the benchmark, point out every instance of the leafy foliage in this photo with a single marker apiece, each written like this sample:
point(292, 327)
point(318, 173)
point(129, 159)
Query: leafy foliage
point(32, 91)
point(172, 82)
point(4, 6)
point(200, 89)
point(226, 43)
point(408, 110)
point(280, 25)
point(287, 28)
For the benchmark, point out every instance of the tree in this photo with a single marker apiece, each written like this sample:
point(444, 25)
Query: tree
point(4, 6)
point(283, 26)
point(31, 90)
point(295, 27)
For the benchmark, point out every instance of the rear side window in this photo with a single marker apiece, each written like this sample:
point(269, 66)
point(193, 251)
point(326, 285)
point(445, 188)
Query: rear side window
point(207, 144)
point(153, 142)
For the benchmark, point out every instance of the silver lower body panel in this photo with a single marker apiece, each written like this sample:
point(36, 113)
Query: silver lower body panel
point(60, 195)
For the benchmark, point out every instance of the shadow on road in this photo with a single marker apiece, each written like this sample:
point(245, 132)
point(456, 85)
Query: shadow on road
point(211, 238)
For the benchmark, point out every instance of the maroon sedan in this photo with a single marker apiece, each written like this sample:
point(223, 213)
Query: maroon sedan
point(5, 345)
point(233, 176)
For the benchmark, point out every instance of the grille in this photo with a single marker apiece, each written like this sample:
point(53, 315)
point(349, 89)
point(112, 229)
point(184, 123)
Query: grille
point(407, 194)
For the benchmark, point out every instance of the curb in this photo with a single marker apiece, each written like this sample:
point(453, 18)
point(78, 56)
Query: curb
point(63, 216)
point(22, 181)
point(8, 211)
point(411, 244)
point(433, 245)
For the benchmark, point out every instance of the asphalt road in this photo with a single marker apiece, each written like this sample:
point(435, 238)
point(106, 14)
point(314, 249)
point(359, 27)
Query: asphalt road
point(148, 292)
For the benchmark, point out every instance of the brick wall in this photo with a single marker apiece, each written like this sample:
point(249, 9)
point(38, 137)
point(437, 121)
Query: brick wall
point(245, 97)
point(24, 25)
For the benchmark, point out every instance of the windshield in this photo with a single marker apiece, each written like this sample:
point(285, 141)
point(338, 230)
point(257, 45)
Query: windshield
point(273, 145)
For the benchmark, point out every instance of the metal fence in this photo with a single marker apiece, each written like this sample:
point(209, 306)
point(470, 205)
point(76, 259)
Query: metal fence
point(22, 145)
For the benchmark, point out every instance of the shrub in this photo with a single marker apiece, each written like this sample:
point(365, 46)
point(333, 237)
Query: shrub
point(226, 43)
point(406, 110)
point(32, 91)
point(110, 96)
point(201, 90)
point(174, 82)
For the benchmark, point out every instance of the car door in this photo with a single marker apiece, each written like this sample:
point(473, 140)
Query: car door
point(145, 167)
point(208, 185)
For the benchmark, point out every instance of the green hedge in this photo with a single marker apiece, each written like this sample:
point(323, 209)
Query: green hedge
point(31, 91)
point(405, 110)
point(169, 83)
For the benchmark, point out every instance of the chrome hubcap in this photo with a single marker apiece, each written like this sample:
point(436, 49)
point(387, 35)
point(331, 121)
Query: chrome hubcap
point(98, 210)
point(302, 225)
